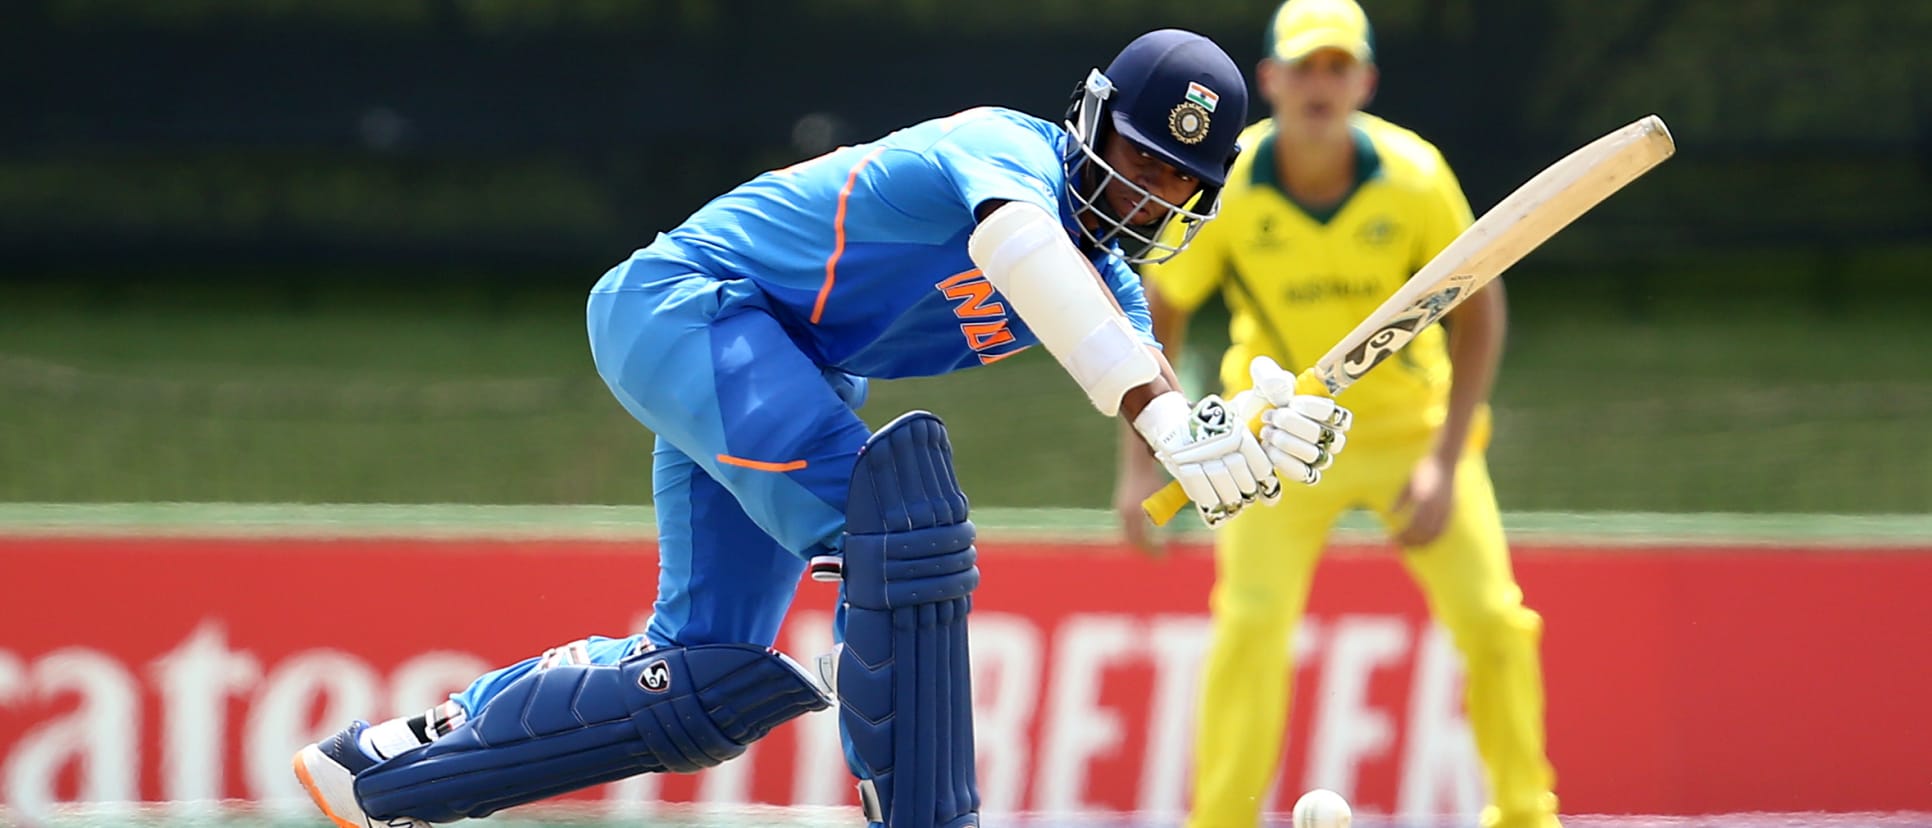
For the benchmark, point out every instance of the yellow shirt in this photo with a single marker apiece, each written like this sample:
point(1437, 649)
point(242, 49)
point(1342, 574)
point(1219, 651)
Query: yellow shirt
point(1297, 282)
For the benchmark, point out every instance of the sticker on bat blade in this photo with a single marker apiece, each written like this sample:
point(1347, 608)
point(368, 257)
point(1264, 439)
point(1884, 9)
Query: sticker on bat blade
point(1380, 345)
point(1396, 334)
point(1329, 382)
point(1439, 302)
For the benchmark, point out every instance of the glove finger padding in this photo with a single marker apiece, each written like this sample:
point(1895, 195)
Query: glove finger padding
point(1268, 486)
point(1232, 482)
point(1194, 480)
point(1332, 442)
point(1214, 517)
point(1288, 443)
point(1319, 452)
point(1296, 425)
point(1289, 468)
point(1321, 409)
point(1324, 433)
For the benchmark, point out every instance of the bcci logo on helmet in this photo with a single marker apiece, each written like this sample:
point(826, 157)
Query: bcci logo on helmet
point(656, 677)
point(1188, 122)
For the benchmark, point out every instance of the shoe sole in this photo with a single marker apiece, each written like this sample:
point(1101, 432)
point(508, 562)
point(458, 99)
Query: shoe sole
point(312, 756)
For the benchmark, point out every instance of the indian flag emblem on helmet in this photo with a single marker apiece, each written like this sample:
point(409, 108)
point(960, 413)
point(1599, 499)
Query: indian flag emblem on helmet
point(1202, 95)
point(1189, 120)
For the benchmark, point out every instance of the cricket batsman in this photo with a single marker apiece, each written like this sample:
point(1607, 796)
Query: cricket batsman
point(743, 339)
point(1329, 212)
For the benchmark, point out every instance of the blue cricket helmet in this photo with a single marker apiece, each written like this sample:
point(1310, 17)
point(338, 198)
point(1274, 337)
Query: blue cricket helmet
point(1182, 98)
point(1176, 95)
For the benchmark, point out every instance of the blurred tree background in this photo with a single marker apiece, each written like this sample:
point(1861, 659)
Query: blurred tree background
point(274, 250)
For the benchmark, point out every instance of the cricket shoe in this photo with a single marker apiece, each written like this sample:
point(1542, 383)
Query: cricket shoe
point(327, 770)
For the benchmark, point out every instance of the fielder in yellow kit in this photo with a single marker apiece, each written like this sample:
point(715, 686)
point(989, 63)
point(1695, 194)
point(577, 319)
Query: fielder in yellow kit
point(1328, 211)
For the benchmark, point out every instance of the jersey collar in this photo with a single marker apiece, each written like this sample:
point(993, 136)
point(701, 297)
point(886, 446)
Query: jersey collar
point(1368, 164)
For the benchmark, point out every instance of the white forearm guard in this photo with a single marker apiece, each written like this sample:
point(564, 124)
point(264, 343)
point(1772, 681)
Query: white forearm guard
point(1029, 259)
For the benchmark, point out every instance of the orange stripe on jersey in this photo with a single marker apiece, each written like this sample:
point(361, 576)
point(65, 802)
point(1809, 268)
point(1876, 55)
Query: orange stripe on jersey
point(760, 465)
point(989, 359)
point(838, 235)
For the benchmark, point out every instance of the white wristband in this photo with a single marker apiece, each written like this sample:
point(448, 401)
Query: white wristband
point(1163, 423)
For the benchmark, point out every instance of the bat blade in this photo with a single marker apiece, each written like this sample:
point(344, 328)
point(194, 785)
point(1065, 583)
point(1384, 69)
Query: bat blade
point(1503, 235)
point(1506, 233)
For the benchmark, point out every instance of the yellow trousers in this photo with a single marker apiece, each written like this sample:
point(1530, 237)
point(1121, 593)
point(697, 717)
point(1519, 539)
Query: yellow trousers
point(1265, 562)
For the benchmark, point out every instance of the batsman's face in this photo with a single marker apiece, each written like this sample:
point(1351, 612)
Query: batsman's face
point(1313, 97)
point(1150, 173)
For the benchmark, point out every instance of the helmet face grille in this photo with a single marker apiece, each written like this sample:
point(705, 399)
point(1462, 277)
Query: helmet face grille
point(1089, 176)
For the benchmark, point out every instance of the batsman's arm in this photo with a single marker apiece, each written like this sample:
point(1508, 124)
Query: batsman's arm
point(1170, 325)
point(1137, 398)
point(1136, 472)
point(1027, 255)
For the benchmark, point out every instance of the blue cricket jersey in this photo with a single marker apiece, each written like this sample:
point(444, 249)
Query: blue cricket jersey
point(861, 253)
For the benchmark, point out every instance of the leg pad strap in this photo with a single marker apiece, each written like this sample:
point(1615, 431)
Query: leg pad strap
point(575, 725)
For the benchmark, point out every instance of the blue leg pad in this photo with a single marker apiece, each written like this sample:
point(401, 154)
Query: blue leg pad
point(904, 680)
point(575, 725)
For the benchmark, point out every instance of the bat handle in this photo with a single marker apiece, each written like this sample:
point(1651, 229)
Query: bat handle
point(1163, 505)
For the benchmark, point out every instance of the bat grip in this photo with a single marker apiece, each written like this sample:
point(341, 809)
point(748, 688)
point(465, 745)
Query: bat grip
point(1163, 505)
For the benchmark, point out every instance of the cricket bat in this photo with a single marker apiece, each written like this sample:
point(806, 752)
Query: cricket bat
point(1503, 235)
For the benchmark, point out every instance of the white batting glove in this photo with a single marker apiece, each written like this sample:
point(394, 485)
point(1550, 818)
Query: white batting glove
point(1301, 433)
point(1210, 451)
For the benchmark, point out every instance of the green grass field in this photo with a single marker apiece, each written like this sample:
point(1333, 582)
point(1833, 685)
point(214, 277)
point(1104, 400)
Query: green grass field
point(1004, 523)
point(1715, 386)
